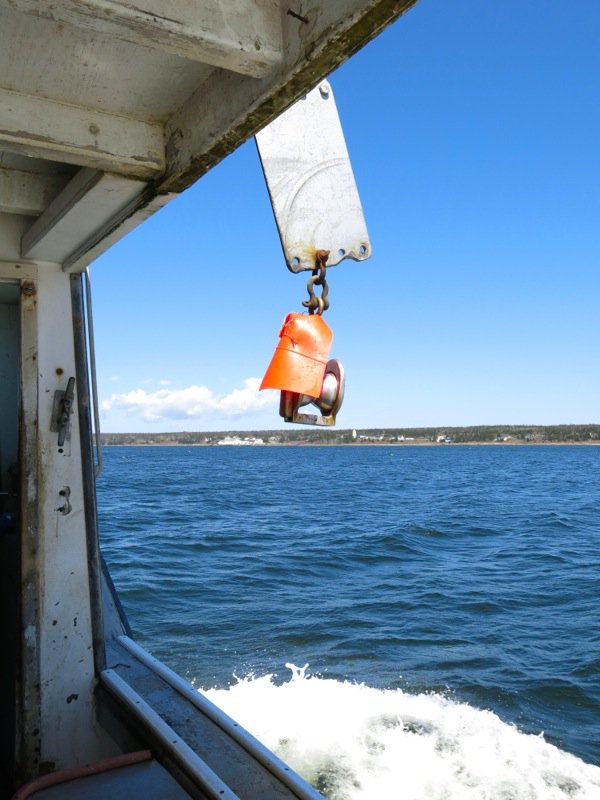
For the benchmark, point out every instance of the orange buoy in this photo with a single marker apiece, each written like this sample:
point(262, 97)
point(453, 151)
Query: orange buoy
point(300, 358)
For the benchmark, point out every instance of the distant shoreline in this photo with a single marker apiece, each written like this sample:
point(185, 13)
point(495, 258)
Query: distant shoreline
point(306, 436)
point(358, 444)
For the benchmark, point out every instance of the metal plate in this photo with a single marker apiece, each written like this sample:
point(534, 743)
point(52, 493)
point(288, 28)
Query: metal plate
point(311, 183)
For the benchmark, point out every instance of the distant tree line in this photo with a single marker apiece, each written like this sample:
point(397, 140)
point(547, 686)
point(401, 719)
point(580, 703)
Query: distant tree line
point(332, 436)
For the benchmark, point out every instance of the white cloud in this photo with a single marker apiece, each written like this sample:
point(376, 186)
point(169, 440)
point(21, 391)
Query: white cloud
point(193, 402)
point(165, 383)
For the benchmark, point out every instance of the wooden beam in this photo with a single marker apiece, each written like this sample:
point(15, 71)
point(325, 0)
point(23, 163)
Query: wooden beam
point(71, 195)
point(27, 193)
point(240, 35)
point(56, 131)
point(228, 109)
point(87, 204)
point(136, 211)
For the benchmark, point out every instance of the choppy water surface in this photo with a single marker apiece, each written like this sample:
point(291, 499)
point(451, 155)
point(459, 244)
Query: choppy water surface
point(445, 599)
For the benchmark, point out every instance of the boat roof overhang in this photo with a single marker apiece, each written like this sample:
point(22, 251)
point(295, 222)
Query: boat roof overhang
point(109, 108)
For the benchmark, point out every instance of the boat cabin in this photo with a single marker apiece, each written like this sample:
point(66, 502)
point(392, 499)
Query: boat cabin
point(108, 110)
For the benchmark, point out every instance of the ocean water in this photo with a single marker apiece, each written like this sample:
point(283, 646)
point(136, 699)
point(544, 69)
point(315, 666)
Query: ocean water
point(395, 622)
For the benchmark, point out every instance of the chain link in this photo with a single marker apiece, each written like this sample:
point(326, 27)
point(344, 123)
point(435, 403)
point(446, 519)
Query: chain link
point(317, 305)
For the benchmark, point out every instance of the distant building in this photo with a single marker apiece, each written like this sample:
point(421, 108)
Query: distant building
point(237, 442)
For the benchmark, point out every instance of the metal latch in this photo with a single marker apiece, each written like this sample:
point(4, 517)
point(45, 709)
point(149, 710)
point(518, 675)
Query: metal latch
point(61, 413)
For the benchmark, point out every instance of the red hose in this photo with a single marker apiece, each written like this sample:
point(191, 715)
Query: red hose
point(64, 775)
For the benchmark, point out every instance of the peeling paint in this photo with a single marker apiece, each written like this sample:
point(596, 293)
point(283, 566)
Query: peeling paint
point(30, 636)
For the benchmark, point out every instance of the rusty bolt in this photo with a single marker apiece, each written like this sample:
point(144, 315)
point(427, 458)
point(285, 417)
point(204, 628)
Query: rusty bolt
point(28, 288)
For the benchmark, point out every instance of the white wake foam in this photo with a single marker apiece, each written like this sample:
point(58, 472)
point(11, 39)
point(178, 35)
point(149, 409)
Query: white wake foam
point(354, 742)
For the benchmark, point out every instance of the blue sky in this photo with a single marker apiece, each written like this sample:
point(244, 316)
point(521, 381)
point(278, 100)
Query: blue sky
point(474, 133)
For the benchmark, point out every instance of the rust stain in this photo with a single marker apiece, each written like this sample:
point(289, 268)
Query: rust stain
point(28, 289)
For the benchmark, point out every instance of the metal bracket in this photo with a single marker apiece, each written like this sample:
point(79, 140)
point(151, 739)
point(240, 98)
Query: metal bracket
point(289, 411)
point(329, 402)
point(311, 183)
point(61, 413)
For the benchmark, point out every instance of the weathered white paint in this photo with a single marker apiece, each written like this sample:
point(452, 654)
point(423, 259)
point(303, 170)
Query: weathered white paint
point(227, 108)
point(29, 699)
point(79, 67)
point(18, 271)
point(241, 35)
point(88, 201)
point(97, 84)
point(125, 222)
point(68, 729)
point(12, 228)
point(79, 135)
point(57, 656)
point(82, 183)
point(27, 193)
